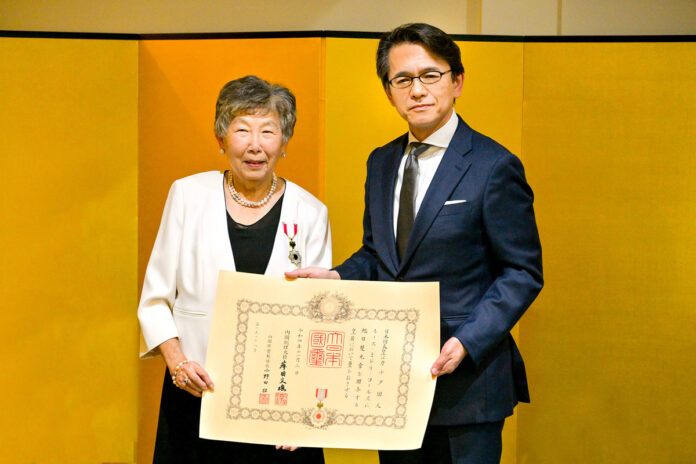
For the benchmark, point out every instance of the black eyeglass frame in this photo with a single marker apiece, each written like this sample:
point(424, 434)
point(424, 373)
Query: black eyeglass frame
point(419, 77)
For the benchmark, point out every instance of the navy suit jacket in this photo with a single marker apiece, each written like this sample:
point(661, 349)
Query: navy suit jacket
point(484, 251)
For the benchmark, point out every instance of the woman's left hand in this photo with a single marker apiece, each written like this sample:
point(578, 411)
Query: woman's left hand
point(286, 447)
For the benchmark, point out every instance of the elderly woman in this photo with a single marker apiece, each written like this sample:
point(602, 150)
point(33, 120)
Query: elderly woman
point(245, 219)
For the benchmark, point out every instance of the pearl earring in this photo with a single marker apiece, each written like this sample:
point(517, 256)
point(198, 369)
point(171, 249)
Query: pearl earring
point(222, 151)
point(282, 155)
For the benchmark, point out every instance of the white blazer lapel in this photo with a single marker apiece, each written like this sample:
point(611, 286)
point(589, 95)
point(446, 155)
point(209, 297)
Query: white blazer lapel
point(289, 214)
point(221, 246)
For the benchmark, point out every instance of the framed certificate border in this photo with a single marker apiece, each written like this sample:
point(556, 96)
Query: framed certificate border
point(323, 307)
point(321, 363)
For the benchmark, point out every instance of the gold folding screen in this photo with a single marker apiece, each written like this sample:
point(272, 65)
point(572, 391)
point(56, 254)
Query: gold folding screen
point(608, 140)
point(179, 83)
point(95, 131)
point(360, 118)
point(68, 209)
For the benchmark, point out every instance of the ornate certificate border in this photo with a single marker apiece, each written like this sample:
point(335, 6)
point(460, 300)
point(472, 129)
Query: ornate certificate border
point(323, 307)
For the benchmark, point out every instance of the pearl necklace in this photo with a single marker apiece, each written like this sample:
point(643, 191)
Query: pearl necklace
point(251, 204)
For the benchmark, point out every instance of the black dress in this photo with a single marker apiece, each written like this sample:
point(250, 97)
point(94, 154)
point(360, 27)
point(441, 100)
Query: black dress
point(177, 432)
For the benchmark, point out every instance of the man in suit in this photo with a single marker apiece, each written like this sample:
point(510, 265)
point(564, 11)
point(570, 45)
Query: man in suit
point(445, 203)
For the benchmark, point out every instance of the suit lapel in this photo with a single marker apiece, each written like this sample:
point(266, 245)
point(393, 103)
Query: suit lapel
point(383, 226)
point(449, 173)
point(221, 246)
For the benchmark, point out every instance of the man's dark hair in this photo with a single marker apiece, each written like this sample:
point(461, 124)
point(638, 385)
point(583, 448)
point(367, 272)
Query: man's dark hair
point(433, 39)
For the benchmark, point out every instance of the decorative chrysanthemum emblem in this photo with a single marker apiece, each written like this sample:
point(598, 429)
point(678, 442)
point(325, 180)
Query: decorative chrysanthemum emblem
point(326, 307)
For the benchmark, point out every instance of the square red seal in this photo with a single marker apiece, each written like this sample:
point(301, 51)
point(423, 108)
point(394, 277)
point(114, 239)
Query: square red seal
point(325, 348)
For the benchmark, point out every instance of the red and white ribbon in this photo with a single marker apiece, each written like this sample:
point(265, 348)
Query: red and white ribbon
point(285, 229)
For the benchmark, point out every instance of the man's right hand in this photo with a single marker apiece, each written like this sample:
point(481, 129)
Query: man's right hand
point(313, 273)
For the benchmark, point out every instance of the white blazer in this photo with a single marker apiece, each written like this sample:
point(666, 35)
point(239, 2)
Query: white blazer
point(193, 244)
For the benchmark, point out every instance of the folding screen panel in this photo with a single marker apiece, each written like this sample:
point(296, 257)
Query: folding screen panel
point(179, 84)
point(609, 146)
point(68, 183)
point(360, 118)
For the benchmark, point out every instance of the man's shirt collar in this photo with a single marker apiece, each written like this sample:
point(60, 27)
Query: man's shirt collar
point(443, 136)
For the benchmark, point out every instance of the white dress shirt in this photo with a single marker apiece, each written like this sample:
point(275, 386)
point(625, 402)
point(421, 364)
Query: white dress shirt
point(428, 162)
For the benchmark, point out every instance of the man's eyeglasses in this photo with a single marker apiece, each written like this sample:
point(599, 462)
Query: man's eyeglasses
point(427, 78)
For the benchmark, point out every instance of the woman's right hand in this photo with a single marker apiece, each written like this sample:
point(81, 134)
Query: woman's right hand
point(187, 375)
point(192, 378)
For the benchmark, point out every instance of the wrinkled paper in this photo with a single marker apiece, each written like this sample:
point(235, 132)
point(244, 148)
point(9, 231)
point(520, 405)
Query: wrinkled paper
point(321, 363)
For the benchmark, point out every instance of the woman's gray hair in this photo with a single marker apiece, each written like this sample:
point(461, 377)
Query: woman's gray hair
point(252, 95)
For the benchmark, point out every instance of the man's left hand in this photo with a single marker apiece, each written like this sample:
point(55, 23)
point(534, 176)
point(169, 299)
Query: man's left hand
point(451, 355)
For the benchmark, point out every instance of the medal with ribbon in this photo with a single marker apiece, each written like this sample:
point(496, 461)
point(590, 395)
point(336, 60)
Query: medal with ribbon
point(318, 417)
point(294, 255)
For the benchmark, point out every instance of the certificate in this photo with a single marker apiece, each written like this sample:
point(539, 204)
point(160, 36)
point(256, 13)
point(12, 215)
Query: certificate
point(321, 363)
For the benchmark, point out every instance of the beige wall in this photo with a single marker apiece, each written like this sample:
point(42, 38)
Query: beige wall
point(588, 17)
point(503, 17)
point(528, 17)
point(626, 17)
point(156, 16)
